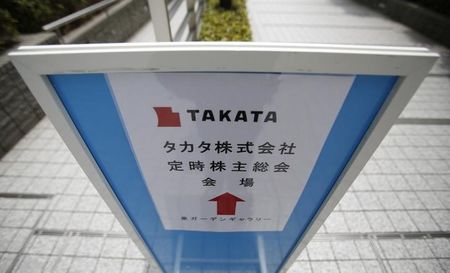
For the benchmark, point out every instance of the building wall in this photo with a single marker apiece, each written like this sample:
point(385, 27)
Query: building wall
point(19, 111)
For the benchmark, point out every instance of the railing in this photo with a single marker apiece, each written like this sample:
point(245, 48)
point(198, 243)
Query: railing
point(188, 27)
point(58, 24)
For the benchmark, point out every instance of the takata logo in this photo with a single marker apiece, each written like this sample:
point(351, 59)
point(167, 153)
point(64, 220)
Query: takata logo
point(168, 118)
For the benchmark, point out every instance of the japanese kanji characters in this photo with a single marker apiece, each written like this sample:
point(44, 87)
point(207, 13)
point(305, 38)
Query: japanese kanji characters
point(225, 148)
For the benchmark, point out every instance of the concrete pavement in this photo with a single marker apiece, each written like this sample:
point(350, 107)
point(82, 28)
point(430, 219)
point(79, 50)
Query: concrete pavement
point(396, 216)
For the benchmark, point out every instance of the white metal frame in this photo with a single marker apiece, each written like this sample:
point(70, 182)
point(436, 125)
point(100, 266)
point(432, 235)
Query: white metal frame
point(410, 64)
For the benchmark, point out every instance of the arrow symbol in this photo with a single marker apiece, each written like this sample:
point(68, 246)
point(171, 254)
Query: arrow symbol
point(226, 203)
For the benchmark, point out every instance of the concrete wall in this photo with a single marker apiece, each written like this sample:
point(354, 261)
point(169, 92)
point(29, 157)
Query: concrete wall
point(429, 23)
point(118, 24)
point(19, 111)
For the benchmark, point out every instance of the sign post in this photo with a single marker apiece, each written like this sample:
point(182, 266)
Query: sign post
point(222, 156)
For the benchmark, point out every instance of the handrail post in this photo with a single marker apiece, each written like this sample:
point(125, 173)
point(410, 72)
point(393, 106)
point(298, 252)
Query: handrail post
point(60, 36)
point(160, 20)
point(192, 22)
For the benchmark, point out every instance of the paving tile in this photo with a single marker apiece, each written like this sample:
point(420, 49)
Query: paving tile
point(19, 240)
point(6, 260)
point(16, 218)
point(304, 256)
point(444, 198)
point(51, 264)
point(398, 182)
point(418, 248)
point(379, 183)
point(57, 220)
point(69, 245)
point(357, 222)
point(115, 247)
point(41, 245)
point(423, 221)
point(442, 218)
point(445, 263)
point(417, 182)
point(31, 263)
point(133, 266)
point(102, 207)
point(80, 221)
point(335, 223)
point(402, 221)
point(91, 246)
point(389, 201)
point(82, 265)
point(379, 221)
point(436, 183)
point(325, 267)
point(410, 200)
point(345, 250)
point(67, 202)
point(25, 204)
point(403, 266)
point(369, 201)
point(20, 185)
point(349, 202)
point(361, 184)
point(76, 187)
point(117, 227)
point(133, 251)
point(373, 266)
point(430, 200)
point(32, 219)
point(108, 266)
point(3, 214)
point(300, 267)
point(440, 247)
point(102, 222)
point(320, 251)
point(88, 203)
point(429, 266)
point(6, 235)
point(393, 249)
point(351, 266)
point(365, 250)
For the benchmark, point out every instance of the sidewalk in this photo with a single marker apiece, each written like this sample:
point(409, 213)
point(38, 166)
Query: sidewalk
point(395, 218)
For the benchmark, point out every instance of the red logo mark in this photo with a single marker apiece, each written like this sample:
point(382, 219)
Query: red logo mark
point(167, 118)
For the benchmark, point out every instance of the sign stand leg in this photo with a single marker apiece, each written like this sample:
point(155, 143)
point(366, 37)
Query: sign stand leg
point(262, 254)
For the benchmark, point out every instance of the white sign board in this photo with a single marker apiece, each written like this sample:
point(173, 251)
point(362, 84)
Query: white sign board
point(224, 141)
point(222, 156)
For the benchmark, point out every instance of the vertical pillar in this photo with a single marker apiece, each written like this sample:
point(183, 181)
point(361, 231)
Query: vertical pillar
point(160, 20)
point(192, 22)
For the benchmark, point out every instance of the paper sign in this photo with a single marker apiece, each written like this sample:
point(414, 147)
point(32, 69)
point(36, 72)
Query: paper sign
point(227, 152)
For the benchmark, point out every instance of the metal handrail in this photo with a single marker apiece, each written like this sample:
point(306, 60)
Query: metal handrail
point(195, 12)
point(55, 25)
point(172, 7)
